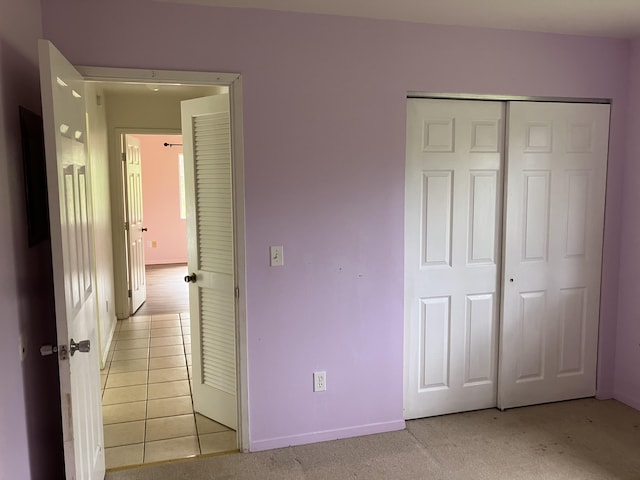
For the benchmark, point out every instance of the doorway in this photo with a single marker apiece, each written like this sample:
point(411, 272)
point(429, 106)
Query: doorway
point(502, 289)
point(182, 320)
point(156, 340)
point(73, 140)
point(162, 220)
point(138, 151)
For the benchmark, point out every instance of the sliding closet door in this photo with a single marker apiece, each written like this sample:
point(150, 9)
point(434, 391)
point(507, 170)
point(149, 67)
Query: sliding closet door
point(452, 252)
point(556, 159)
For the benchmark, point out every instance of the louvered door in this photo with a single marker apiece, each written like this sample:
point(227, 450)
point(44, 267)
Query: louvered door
point(208, 178)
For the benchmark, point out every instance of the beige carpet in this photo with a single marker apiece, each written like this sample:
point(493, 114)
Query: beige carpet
point(578, 440)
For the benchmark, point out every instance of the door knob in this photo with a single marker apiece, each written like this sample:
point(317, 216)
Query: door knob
point(82, 346)
point(190, 278)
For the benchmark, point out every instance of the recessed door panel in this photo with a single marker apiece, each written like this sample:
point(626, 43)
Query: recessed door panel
point(572, 330)
point(483, 198)
point(437, 187)
point(578, 202)
point(480, 353)
point(536, 215)
point(435, 328)
point(531, 336)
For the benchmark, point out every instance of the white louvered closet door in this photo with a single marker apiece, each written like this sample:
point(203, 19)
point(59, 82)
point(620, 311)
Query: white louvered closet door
point(208, 178)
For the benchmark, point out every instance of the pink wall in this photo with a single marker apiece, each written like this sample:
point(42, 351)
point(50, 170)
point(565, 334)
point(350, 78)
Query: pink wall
point(324, 130)
point(161, 200)
point(30, 435)
point(627, 377)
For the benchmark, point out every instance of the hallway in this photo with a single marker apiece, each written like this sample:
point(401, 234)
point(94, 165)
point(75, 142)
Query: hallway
point(147, 406)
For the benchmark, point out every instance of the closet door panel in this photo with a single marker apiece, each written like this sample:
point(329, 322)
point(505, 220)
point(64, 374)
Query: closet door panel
point(452, 252)
point(555, 192)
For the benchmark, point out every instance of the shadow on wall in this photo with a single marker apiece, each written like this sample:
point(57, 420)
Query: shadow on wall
point(19, 85)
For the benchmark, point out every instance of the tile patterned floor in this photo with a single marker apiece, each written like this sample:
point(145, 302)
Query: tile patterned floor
point(146, 400)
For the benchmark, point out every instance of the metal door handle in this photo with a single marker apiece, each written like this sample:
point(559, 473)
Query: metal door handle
point(190, 278)
point(82, 346)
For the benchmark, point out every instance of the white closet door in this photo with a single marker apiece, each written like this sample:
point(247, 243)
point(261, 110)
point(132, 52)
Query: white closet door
point(556, 157)
point(452, 245)
point(206, 134)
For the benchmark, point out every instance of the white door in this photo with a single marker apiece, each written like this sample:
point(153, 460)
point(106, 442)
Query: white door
point(557, 158)
point(206, 133)
point(452, 255)
point(134, 220)
point(72, 245)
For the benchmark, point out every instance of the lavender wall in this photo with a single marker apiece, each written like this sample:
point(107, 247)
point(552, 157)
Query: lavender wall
point(324, 118)
point(30, 437)
point(627, 377)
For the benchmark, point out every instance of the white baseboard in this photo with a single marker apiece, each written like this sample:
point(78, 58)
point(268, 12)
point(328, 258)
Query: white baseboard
point(107, 345)
point(326, 435)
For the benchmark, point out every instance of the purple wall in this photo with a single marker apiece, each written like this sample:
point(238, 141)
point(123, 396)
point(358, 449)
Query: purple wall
point(30, 436)
point(324, 117)
point(627, 377)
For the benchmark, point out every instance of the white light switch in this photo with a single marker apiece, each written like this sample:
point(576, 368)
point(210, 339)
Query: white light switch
point(276, 256)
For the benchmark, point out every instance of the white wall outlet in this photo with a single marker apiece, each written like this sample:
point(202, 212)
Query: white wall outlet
point(276, 256)
point(319, 381)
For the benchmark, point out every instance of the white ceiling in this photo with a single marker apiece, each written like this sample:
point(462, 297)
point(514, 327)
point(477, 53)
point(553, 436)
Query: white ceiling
point(604, 18)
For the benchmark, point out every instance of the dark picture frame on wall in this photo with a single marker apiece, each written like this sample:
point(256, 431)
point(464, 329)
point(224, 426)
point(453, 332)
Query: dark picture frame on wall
point(35, 176)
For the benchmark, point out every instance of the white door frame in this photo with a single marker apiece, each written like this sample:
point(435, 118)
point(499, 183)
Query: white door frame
point(234, 82)
point(508, 98)
point(118, 205)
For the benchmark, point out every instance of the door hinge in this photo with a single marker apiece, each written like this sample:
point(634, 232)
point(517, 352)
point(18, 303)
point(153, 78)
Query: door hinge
point(236, 292)
point(123, 156)
point(126, 226)
point(129, 293)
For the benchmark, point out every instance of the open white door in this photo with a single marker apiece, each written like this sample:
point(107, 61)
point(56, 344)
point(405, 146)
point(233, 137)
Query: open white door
point(132, 161)
point(452, 255)
point(206, 133)
point(557, 160)
point(72, 244)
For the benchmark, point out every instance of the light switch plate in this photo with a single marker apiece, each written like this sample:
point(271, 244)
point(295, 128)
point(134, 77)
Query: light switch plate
point(276, 256)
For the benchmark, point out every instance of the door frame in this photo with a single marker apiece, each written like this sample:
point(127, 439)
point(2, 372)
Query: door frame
point(501, 273)
point(234, 82)
point(118, 206)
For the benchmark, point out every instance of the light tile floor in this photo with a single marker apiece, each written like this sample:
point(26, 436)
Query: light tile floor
point(146, 400)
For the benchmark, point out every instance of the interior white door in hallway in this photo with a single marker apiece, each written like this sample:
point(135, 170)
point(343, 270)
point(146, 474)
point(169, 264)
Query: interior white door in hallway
point(208, 169)
point(452, 255)
point(132, 163)
point(73, 264)
point(557, 159)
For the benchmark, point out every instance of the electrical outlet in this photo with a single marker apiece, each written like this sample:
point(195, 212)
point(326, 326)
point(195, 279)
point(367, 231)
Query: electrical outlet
point(319, 381)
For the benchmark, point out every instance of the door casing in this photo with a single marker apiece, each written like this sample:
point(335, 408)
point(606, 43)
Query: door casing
point(234, 83)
